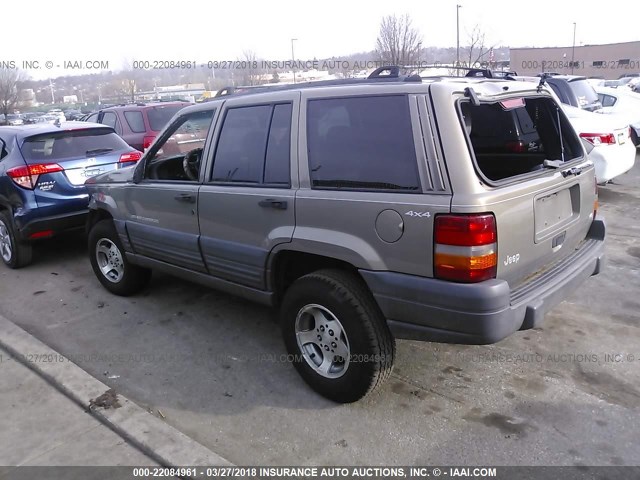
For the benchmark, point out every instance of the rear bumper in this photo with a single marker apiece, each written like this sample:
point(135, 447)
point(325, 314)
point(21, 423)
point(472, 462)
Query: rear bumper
point(55, 223)
point(419, 308)
point(612, 161)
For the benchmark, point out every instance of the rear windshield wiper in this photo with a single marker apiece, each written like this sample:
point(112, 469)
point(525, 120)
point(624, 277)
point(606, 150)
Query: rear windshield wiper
point(99, 151)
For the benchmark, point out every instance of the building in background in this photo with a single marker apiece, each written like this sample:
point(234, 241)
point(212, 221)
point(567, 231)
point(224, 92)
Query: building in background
point(610, 61)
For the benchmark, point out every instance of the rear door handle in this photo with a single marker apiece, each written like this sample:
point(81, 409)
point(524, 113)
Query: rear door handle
point(185, 197)
point(271, 203)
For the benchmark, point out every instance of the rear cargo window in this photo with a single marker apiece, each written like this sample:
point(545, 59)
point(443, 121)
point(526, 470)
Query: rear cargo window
point(72, 144)
point(516, 136)
point(362, 143)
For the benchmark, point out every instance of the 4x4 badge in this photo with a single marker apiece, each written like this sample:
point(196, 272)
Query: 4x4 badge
point(411, 213)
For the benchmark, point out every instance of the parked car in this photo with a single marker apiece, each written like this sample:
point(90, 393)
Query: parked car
point(386, 222)
point(614, 152)
point(138, 124)
point(574, 90)
point(42, 175)
point(56, 112)
point(15, 119)
point(73, 115)
point(31, 117)
point(623, 104)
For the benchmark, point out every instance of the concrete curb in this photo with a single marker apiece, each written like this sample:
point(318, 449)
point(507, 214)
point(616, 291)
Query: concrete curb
point(152, 436)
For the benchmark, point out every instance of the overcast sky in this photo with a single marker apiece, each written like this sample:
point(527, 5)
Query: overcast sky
point(205, 30)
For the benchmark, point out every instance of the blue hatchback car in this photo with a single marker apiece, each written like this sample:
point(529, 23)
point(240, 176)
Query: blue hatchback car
point(43, 168)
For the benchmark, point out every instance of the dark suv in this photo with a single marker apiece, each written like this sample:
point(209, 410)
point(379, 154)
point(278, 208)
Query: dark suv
point(43, 168)
point(137, 123)
point(574, 90)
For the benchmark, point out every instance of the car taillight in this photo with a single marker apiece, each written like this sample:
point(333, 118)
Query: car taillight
point(465, 247)
point(27, 176)
point(131, 157)
point(516, 147)
point(147, 141)
point(599, 138)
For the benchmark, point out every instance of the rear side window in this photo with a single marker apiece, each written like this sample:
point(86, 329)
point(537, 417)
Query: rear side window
point(255, 145)
point(75, 144)
point(110, 119)
point(159, 116)
point(135, 121)
point(584, 92)
point(516, 136)
point(92, 118)
point(361, 143)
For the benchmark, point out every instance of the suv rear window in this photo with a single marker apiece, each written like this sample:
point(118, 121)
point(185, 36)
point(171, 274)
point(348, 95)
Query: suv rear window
point(78, 143)
point(584, 92)
point(159, 116)
point(362, 143)
point(516, 136)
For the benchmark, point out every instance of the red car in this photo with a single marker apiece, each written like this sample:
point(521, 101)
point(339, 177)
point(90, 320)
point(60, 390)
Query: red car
point(137, 123)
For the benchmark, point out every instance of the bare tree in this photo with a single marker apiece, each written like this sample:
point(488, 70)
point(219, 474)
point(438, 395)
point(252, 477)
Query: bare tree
point(251, 73)
point(130, 78)
point(398, 41)
point(10, 80)
point(477, 49)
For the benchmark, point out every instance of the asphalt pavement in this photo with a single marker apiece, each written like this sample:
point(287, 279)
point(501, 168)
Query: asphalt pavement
point(214, 368)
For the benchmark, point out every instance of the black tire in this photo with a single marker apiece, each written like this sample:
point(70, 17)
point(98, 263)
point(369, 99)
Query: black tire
point(371, 347)
point(125, 279)
point(14, 253)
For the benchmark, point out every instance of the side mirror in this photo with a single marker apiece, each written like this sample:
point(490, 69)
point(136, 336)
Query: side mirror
point(138, 172)
point(588, 146)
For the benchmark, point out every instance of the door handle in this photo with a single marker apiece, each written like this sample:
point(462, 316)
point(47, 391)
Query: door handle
point(186, 197)
point(271, 203)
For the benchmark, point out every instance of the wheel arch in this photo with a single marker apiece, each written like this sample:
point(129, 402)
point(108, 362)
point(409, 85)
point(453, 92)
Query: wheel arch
point(287, 265)
point(96, 215)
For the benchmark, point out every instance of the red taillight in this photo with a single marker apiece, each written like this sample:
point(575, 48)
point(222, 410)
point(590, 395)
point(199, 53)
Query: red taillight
point(465, 247)
point(595, 202)
point(130, 157)
point(599, 138)
point(42, 234)
point(28, 175)
point(147, 141)
point(516, 147)
point(465, 230)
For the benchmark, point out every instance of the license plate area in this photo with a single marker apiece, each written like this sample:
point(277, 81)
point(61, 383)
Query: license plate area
point(554, 211)
point(622, 138)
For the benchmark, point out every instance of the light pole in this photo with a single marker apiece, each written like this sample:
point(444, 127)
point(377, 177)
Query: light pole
point(293, 58)
point(458, 35)
point(573, 48)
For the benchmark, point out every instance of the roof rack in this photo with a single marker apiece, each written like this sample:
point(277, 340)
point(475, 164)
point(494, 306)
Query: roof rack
point(472, 72)
point(377, 76)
